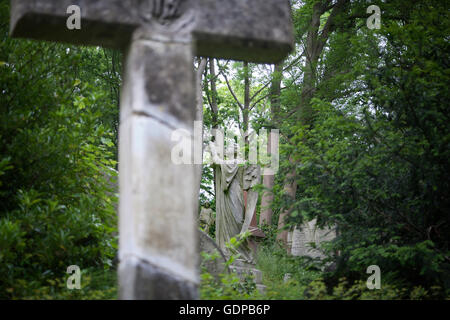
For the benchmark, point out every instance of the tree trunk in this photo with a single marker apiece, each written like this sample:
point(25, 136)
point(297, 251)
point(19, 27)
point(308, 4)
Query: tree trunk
point(199, 107)
point(267, 196)
point(269, 180)
point(246, 109)
point(290, 189)
point(315, 42)
point(213, 104)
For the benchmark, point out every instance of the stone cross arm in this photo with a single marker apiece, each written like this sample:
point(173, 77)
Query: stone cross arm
point(251, 30)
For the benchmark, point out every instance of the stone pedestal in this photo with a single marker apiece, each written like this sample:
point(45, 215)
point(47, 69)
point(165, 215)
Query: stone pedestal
point(244, 269)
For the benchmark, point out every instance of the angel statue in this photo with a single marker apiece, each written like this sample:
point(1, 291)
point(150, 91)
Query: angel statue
point(232, 217)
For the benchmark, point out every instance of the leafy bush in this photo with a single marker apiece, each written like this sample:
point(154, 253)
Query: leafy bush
point(95, 285)
point(57, 162)
point(373, 160)
point(227, 285)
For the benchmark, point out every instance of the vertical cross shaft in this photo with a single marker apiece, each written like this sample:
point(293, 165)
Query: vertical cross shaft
point(157, 221)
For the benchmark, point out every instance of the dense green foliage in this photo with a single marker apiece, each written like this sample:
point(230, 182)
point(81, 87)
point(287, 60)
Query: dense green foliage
point(304, 282)
point(57, 161)
point(365, 143)
point(374, 158)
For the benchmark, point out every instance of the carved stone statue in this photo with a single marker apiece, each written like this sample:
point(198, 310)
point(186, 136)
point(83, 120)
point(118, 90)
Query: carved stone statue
point(231, 217)
point(252, 177)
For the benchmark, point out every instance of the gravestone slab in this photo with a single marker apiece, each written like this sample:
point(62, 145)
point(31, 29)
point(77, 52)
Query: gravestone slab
point(244, 269)
point(217, 266)
point(306, 240)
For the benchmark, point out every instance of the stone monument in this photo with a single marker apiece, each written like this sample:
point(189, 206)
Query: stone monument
point(306, 241)
point(214, 266)
point(231, 220)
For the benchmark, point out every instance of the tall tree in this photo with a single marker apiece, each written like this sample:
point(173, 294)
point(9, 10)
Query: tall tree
point(269, 180)
point(313, 41)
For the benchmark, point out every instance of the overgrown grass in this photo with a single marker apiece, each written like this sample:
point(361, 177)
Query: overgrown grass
point(284, 276)
point(95, 285)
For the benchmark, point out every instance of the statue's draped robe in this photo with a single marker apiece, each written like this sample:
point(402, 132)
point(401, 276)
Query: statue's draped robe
point(230, 208)
point(252, 177)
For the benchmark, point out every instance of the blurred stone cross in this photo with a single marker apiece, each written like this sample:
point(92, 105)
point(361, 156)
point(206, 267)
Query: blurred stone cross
point(158, 245)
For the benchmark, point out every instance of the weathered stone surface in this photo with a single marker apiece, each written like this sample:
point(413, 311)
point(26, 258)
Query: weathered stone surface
point(159, 82)
point(252, 30)
point(140, 280)
point(307, 240)
point(158, 198)
point(251, 177)
point(209, 246)
point(206, 218)
point(244, 269)
point(157, 205)
point(287, 277)
point(261, 288)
